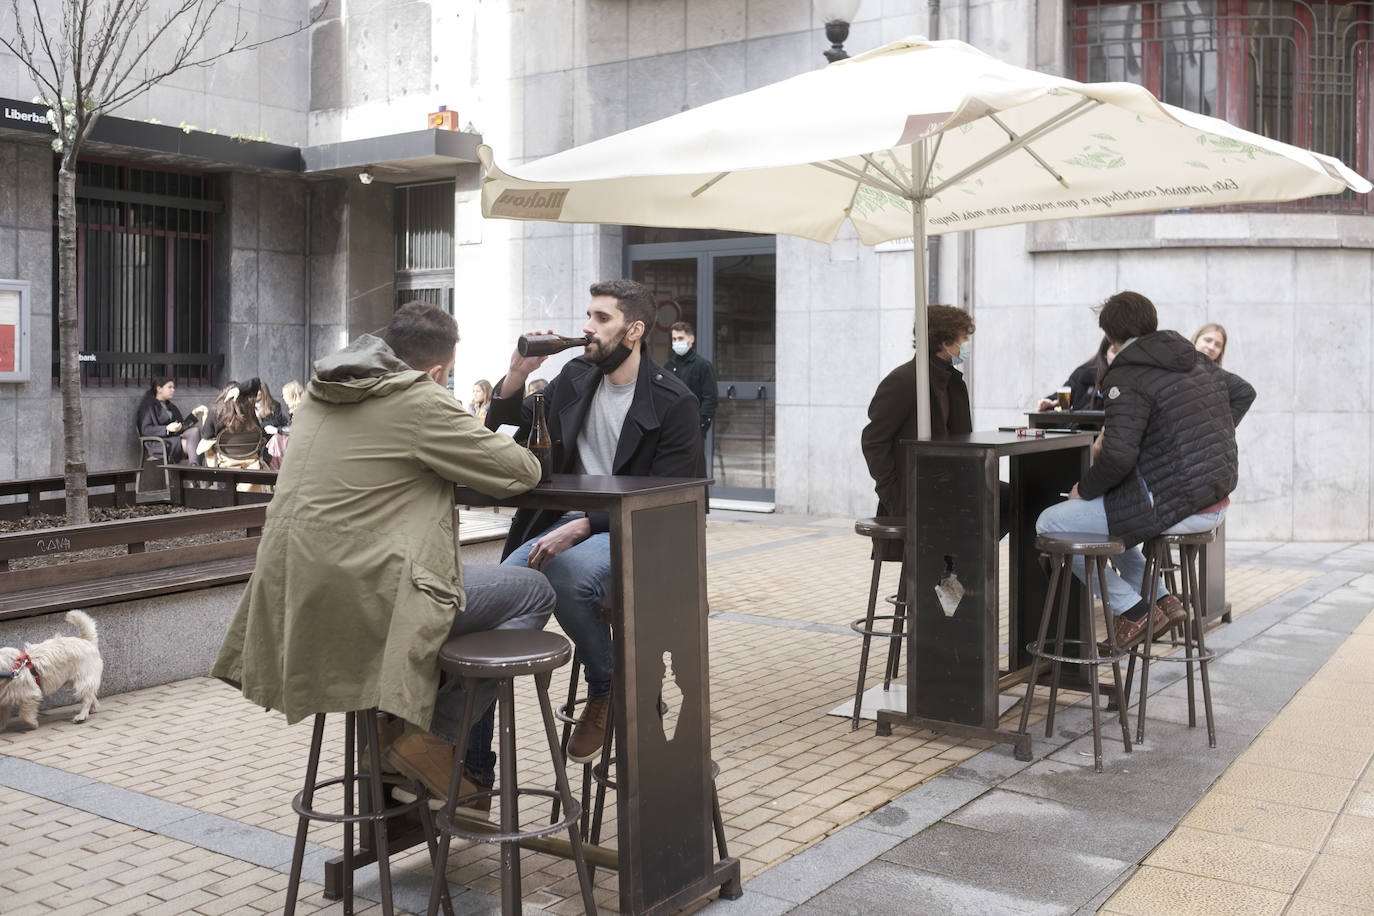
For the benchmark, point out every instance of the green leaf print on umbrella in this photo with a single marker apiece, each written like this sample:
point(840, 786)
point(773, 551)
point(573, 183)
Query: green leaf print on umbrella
point(1103, 157)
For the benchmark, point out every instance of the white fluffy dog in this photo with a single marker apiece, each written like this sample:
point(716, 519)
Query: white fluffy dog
point(29, 674)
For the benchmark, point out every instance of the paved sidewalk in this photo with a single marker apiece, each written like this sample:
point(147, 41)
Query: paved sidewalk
point(176, 799)
point(1279, 818)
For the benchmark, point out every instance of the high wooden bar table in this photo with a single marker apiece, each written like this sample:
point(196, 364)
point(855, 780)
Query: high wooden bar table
point(953, 671)
point(665, 843)
point(664, 835)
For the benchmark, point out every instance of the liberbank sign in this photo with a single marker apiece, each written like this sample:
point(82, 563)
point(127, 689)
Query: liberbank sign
point(24, 116)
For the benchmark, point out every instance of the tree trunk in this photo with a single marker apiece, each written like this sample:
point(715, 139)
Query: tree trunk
point(73, 417)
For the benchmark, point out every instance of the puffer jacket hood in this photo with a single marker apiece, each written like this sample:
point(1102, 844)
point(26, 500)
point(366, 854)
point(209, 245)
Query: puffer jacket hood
point(366, 368)
point(1167, 350)
point(1169, 438)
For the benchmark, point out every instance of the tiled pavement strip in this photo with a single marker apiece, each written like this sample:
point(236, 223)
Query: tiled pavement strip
point(175, 799)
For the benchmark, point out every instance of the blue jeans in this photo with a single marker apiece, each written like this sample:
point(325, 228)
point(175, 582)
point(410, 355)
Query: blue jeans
point(1125, 583)
point(580, 576)
point(498, 598)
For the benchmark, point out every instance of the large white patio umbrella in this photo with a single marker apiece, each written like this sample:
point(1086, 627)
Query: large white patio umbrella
point(914, 138)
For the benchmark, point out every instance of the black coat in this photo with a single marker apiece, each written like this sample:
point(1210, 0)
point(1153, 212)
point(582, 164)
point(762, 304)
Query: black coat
point(1082, 382)
point(152, 419)
point(697, 373)
point(1170, 427)
point(660, 438)
point(892, 418)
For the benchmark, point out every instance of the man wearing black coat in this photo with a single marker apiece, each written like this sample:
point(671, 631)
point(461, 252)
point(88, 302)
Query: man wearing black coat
point(694, 370)
point(1168, 459)
point(612, 411)
point(892, 413)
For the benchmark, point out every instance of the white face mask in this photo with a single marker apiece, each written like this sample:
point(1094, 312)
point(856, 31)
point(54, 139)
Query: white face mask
point(680, 347)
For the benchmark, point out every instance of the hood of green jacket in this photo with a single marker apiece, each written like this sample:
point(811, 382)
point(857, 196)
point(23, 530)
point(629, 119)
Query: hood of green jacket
point(366, 368)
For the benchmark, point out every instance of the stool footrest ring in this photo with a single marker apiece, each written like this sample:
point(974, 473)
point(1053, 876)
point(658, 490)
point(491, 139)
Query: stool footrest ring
point(1096, 659)
point(388, 779)
point(571, 816)
point(1205, 656)
point(860, 626)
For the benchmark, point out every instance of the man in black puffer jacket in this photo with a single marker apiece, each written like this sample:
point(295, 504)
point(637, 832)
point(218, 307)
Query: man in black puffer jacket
point(1168, 455)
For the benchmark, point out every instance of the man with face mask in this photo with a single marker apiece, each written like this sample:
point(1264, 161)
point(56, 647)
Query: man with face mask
point(695, 371)
point(611, 411)
point(892, 412)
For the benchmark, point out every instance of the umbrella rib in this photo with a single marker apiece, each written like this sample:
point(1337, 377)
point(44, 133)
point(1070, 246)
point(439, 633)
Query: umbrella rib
point(845, 170)
point(1033, 154)
point(708, 184)
point(868, 157)
point(1074, 111)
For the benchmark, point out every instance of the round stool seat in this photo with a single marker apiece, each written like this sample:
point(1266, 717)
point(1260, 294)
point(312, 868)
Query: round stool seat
point(504, 653)
point(1080, 542)
point(1200, 537)
point(884, 528)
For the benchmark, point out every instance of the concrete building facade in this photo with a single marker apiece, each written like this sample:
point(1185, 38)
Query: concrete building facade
point(305, 259)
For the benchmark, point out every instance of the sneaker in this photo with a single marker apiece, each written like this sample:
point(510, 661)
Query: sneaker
point(1173, 611)
point(590, 732)
point(429, 761)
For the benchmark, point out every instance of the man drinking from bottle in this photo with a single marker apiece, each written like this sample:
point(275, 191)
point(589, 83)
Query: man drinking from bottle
point(611, 411)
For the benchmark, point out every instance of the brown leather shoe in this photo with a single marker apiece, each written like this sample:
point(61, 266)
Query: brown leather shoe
point(1128, 631)
point(1173, 611)
point(429, 761)
point(590, 732)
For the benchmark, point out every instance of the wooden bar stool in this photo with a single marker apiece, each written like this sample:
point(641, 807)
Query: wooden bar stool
point(1159, 552)
point(502, 656)
point(1061, 548)
point(362, 779)
point(883, 531)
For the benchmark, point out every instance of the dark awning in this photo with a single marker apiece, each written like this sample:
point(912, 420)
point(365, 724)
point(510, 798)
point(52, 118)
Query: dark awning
point(413, 156)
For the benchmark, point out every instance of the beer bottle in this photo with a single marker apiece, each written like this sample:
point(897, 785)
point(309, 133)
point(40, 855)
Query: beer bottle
point(545, 344)
point(540, 443)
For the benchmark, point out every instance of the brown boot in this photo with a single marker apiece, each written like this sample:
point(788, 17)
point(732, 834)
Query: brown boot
point(590, 732)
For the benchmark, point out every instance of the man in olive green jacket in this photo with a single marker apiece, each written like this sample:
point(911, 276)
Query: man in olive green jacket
point(358, 580)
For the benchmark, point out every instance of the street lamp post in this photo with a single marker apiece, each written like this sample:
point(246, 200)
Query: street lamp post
point(837, 15)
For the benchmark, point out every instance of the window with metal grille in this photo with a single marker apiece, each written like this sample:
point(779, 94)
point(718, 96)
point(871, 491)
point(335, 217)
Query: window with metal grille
point(424, 243)
point(1295, 71)
point(143, 274)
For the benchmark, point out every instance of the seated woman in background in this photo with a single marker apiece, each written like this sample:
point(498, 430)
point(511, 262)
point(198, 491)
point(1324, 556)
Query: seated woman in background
point(232, 436)
point(291, 395)
point(481, 399)
point(1211, 340)
point(157, 416)
point(271, 415)
point(1085, 381)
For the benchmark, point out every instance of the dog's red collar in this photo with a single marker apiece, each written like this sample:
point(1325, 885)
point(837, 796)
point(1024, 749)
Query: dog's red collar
point(22, 662)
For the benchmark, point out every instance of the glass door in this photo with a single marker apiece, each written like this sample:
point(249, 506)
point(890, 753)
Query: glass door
point(726, 289)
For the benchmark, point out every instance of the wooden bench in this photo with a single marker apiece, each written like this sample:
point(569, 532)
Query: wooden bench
point(47, 495)
point(136, 573)
point(208, 488)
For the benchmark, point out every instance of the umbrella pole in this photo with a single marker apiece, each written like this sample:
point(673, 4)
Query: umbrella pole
point(918, 256)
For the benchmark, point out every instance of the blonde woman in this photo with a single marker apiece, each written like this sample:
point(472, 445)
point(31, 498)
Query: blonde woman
point(1211, 340)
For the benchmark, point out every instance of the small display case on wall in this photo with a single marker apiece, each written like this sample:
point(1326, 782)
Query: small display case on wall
point(14, 331)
